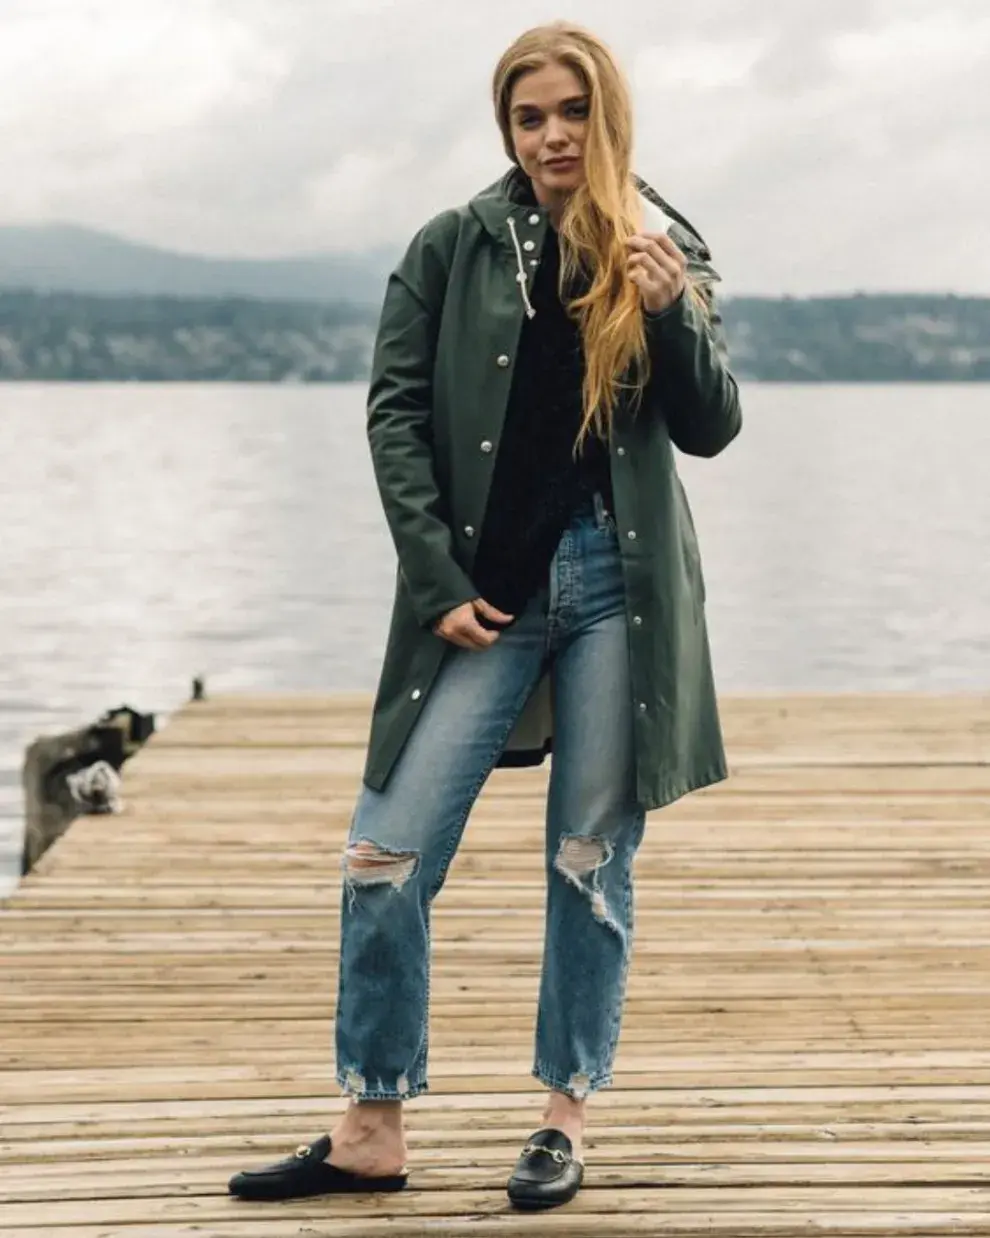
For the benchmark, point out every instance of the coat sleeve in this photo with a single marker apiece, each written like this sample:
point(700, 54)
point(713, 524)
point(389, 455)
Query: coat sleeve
point(690, 364)
point(400, 430)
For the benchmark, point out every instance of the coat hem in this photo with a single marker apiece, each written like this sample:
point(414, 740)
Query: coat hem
point(524, 758)
point(670, 794)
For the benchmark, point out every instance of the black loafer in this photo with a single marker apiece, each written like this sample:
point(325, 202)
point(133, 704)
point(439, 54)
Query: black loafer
point(547, 1173)
point(307, 1173)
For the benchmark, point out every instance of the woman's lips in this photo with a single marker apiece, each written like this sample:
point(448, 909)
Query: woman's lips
point(560, 163)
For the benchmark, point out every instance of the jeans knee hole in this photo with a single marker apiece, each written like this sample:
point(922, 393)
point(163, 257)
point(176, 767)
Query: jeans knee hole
point(367, 864)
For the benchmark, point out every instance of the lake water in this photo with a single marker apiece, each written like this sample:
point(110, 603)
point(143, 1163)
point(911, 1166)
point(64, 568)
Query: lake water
point(151, 533)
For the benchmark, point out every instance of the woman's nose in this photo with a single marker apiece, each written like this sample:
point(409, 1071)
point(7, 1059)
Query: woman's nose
point(556, 132)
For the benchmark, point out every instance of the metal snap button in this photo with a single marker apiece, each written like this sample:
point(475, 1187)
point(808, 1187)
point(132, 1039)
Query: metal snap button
point(486, 446)
point(620, 451)
point(631, 535)
point(469, 530)
point(534, 219)
point(502, 360)
point(529, 245)
point(638, 620)
point(416, 694)
point(642, 707)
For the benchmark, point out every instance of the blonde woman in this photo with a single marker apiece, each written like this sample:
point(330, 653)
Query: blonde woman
point(541, 351)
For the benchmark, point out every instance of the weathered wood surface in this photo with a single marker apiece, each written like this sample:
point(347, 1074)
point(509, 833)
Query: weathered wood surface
point(806, 1047)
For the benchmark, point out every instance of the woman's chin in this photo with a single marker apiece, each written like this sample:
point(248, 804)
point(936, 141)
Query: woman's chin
point(565, 179)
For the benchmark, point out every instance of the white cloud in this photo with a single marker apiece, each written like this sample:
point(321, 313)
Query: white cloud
point(118, 73)
point(696, 64)
point(935, 44)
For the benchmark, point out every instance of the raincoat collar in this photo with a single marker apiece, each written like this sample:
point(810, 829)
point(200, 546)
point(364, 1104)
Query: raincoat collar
point(512, 195)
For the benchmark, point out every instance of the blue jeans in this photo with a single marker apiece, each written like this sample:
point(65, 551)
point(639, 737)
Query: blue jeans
point(407, 834)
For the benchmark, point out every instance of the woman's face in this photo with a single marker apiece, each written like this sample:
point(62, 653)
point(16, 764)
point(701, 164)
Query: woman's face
point(548, 113)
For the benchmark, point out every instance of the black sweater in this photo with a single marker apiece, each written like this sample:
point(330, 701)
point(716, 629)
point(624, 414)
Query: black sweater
point(537, 484)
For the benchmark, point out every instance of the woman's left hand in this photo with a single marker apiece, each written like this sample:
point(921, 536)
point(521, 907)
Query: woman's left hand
point(658, 267)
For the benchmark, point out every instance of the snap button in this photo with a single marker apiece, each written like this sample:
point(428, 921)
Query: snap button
point(486, 447)
point(469, 530)
point(638, 620)
point(502, 360)
point(416, 694)
point(534, 262)
point(529, 245)
point(534, 219)
point(631, 535)
point(620, 451)
point(642, 707)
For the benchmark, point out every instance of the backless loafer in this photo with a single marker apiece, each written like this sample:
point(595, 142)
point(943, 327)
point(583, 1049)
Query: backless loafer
point(307, 1173)
point(547, 1173)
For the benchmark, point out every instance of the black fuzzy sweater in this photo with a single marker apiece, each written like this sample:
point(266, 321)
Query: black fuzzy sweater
point(537, 483)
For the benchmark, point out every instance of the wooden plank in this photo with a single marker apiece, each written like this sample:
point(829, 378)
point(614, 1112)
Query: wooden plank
point(486, 1170)
point(574, 1221)
point(639, 1194)
point(804, 1047)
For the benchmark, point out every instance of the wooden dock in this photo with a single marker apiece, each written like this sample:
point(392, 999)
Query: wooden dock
point(806, 1047)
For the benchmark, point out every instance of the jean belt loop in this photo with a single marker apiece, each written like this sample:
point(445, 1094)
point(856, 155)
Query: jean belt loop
point(600, 510)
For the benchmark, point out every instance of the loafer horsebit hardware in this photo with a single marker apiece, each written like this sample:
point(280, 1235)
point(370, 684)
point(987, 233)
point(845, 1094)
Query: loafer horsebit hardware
point(556, 1153)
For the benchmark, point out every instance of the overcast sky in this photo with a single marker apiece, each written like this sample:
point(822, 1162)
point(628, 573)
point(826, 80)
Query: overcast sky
point(819, 145)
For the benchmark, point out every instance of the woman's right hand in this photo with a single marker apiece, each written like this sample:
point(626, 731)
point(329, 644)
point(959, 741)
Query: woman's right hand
point(461, 627)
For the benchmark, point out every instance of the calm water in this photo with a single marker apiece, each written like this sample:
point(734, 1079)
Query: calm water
point(151, 533)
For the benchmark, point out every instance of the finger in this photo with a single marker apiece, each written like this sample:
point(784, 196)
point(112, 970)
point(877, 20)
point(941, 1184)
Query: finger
point(660, 247)
point(669, 259)
point(454, 637)
point(671, 247)
point(663, 239)
point(659, 271)
point(475, 636)
point(491, 612)
point(648, 274)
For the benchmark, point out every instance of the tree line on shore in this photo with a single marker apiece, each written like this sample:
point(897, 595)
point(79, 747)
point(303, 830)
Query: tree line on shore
point(60, 336)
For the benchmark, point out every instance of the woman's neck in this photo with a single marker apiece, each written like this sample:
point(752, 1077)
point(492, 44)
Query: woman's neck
point(554, 204)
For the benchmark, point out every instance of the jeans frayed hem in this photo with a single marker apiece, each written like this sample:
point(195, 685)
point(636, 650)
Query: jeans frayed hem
point(577, 1086)
point(409, 1093)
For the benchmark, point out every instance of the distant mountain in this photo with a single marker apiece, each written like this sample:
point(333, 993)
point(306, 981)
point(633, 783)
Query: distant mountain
point(66, 258)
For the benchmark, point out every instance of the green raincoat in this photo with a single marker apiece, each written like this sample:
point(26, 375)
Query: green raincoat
point(441, 373)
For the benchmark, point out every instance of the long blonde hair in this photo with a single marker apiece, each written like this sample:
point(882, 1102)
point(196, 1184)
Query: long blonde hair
point(599, 216)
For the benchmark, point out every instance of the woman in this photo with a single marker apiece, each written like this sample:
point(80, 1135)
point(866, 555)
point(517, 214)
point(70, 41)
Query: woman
point(539, 351)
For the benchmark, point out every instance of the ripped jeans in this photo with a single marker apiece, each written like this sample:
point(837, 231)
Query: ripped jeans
point(407, 834)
